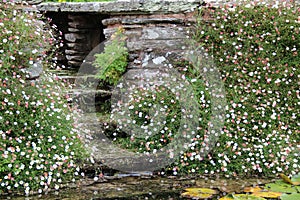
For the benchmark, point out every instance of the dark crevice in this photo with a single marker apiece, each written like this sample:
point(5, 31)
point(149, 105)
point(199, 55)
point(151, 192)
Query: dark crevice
point(81, 33)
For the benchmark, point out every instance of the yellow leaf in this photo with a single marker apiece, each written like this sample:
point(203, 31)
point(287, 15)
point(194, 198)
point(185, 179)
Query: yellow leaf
point(267, 194)
point(286, 179)
point(196, 195)
point(226, 198)
point(296, 183)
point(202, 190)
point(246, 197)
point(252, 189)
point(199, 193)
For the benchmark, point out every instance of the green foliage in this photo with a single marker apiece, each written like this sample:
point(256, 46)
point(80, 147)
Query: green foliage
point(156, 107)
point(296, 179)
point(281, 186)
point(289, 190)
point(294, 196)
point(113, 61)
point(255, 46)
point(39, 146)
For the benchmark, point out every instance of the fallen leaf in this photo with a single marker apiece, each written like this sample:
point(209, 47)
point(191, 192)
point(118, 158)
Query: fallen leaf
point(286, 179)
point(267, 194)
point(252, 189)
point(246, 197)
point(199, 193)
point(196, 195)
point(202, 190)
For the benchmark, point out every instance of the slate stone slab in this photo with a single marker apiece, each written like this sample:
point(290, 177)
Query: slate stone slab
point(124, 6)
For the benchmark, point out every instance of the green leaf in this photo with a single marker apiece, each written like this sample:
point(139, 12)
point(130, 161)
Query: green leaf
point(280, 186)
point(294, 196)
point(296, 179)
point(112, 62)
point(227, 197)
point(246, 197)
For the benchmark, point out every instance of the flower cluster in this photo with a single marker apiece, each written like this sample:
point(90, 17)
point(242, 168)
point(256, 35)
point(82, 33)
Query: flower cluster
point(161, 112)
point(152, 118)
point(255, 46)
point(39, 145)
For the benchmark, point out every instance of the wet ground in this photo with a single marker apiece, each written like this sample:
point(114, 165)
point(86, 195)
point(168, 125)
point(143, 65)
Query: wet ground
point(143, 187)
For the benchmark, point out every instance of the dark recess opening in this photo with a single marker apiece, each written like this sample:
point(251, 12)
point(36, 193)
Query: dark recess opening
point(81, 32)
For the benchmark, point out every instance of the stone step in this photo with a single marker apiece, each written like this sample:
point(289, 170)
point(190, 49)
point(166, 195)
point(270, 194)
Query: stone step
point(90, 100)
point(62, 71)
point(76, 78)
point(94, 118)
point(90, 92)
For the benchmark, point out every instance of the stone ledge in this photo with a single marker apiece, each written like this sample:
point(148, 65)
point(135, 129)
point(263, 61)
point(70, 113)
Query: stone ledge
point(124, 6)
point(136, 20)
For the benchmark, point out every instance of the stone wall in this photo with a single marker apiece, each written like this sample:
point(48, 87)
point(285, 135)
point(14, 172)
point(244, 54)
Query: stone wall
point(83, 34)
point(150, 38)
point(150, 25)
point(155, 31)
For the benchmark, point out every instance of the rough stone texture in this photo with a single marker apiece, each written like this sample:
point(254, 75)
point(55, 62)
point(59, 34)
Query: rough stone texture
point(150, 28)
point(33, 2)
point(154, 45)
point(217, 3)
point(153, 28)
point(124, 6)
point(72, 37)
point(150, 37)
point(83, 33)
point(161, 33)
point(35, 71)
point(150, 25)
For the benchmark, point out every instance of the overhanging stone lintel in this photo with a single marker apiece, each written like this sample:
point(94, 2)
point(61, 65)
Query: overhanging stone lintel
point(124, 6)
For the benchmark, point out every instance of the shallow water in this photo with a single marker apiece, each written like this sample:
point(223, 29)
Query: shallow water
point(142, 187)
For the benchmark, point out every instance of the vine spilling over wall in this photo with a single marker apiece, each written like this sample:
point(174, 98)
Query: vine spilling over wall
point(39, 145)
